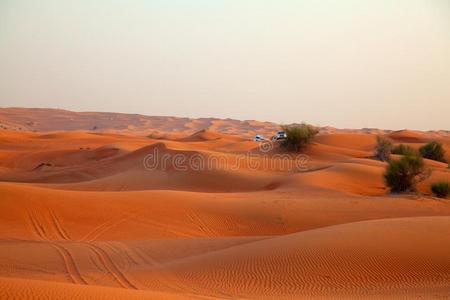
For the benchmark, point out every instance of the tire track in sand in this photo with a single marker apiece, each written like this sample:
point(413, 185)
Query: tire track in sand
point(102, 228)
point(37, 227)
point(69, 262)
point(57, 224)
point(195, 219)
point(111, 267)
point(140, 257)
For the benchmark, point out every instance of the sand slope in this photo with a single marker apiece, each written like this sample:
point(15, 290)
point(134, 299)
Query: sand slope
point(368, 258)
point(13, 288)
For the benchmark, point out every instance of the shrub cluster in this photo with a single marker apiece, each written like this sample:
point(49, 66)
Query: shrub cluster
point(383, 148)
point(402, 175)
point(299, 136)
point(402, 149)
point(433, 150)
point(441, 189)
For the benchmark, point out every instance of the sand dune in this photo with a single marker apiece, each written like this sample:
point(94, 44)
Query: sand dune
point(13, 288)
point(90, 214)
point(208, 135)
point(154, 214)
point(368, 258)
point(409, 136)
point(363, 142)
point(342, 177)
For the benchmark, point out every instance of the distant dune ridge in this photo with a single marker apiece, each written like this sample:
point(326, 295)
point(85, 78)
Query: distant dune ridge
point(43, 119)
point(83, 217)
point(36, 119)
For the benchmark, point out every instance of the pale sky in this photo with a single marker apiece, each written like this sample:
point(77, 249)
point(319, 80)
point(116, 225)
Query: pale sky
point(344, 63)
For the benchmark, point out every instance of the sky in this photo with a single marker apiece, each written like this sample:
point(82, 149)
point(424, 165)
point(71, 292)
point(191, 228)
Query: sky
point(343, 63)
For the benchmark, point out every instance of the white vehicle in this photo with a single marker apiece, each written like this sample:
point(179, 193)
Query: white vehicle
point(280, 135)
point(259, 138)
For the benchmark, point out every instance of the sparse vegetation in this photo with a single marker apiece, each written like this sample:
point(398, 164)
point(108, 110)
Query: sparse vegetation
point(383, 148)
point(403, 175)
point(402, 149)
point(299, 136)
point(441, 189)
point(433, 150)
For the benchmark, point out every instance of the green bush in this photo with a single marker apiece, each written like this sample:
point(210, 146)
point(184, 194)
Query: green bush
point(402, 149)
point(299, 136)
point(403, 175)
point(433, 150)
point(441, 189)
point(383, 148)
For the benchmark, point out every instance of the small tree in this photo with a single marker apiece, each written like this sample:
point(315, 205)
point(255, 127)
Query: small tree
point(403, 175)
point(299, 136)
point(383, 148)
point(433, 150)
point(441, 189)
point(402, 149)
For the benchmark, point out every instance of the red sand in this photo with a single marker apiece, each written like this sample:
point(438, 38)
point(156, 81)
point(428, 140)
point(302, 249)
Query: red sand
point(81, 218)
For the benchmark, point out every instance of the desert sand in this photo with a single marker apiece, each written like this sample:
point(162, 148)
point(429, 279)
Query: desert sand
point(83, 217)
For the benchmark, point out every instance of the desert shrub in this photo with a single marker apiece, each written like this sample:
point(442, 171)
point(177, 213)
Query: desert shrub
point(433, 150)
point(383, 148)
point(441, 189)
point(403, 175)
point(402, 149)
point(299, 136)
